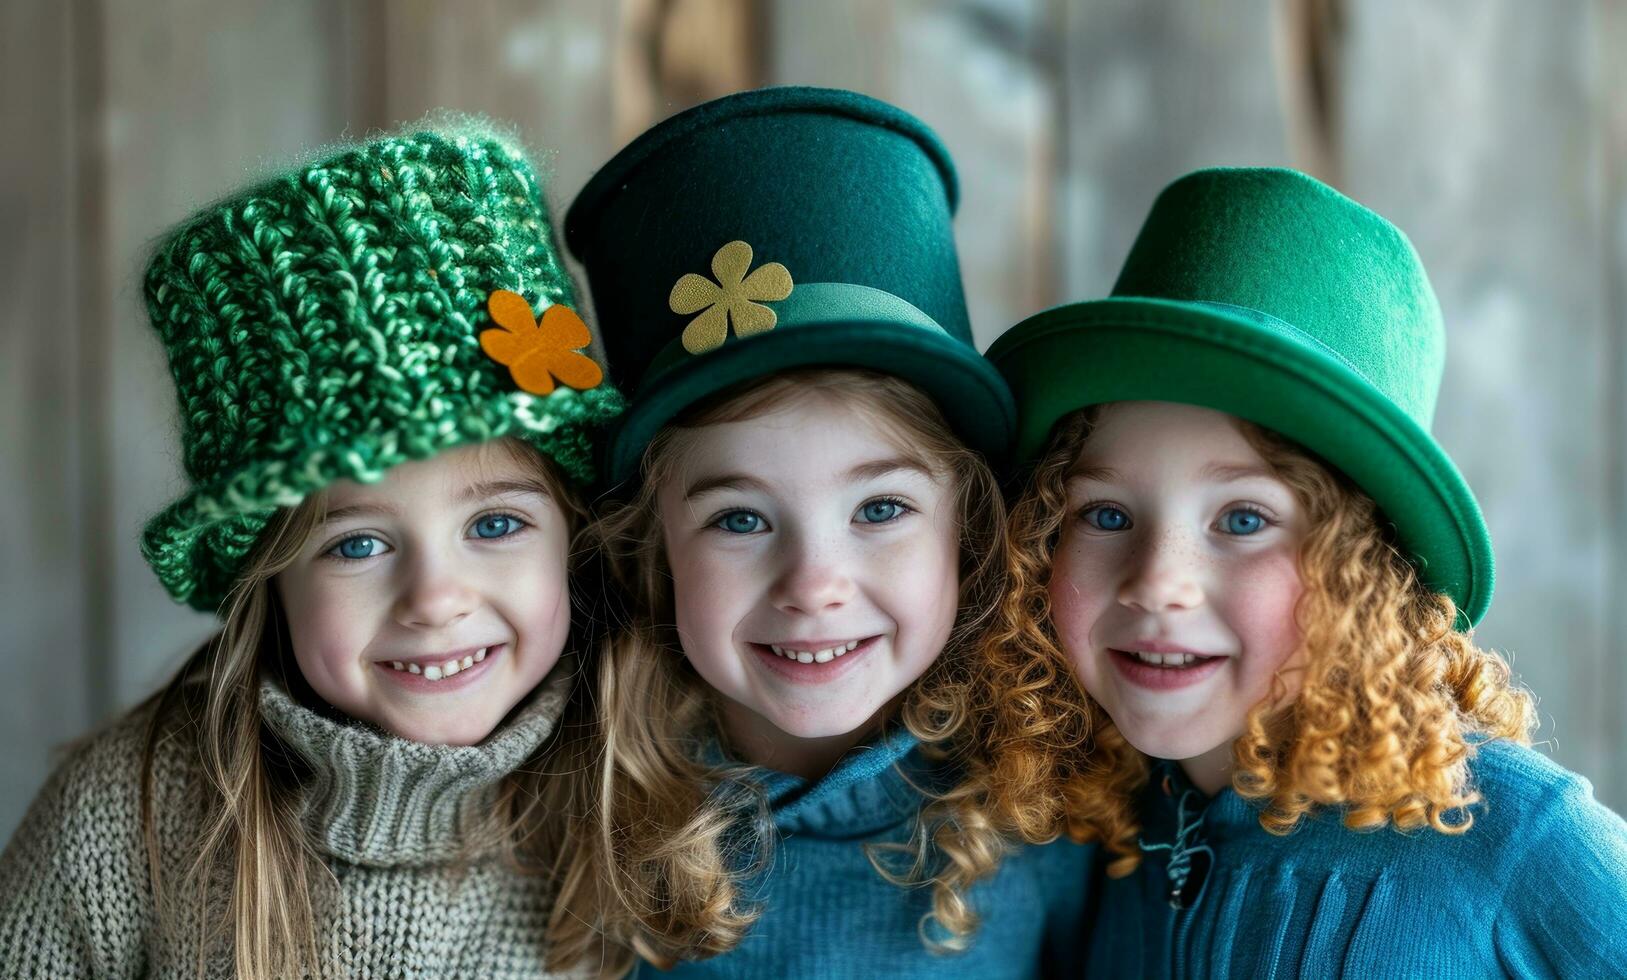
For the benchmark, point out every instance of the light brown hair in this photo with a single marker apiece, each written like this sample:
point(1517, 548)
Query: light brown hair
point(251, 836)
point(656, 852)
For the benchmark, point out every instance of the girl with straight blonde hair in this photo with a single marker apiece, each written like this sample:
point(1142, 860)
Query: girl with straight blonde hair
point(384, 449)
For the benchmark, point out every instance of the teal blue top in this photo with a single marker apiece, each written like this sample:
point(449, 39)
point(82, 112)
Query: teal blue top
point(827, 912)
point(1536, 888)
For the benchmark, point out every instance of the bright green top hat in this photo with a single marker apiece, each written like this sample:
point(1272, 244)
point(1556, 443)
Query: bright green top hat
point(1270, 296)
point(336, 320)
point(775, 229)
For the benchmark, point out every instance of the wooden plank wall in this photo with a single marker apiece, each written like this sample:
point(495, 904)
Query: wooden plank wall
point(1492, 131)
point(45, 520)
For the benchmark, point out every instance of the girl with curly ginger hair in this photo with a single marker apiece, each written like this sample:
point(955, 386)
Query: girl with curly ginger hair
point(810, 542)
point(1235, 651)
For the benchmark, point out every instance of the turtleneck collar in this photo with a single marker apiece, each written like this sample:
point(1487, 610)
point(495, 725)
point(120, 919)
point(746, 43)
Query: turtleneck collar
point(871, 788)
point(377, 800)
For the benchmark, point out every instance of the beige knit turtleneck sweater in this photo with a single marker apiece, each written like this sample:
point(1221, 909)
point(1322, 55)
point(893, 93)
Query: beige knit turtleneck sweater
point(384, 814)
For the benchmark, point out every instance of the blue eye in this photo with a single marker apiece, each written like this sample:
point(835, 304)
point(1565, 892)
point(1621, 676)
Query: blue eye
point(358, 547)
point(739, 522)
point(881, 511)
point(1106, 517)
point(1242, 521)
point(496, 526)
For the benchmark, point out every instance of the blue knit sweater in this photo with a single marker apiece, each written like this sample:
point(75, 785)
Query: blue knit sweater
point(1536, 888)
point(827, 912)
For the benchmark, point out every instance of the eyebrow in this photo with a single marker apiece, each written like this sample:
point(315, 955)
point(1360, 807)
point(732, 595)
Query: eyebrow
point(863, 471)
point(338, 514)
point(726, 481)
point(883, 467)
point(1100, 474)
point(469, 494)
point(500, 488)
point(1233, 472)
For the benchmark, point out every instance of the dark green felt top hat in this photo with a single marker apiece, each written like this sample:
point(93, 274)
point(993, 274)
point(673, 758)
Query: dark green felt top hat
point(780, 228)
point(1270, 296)
point(371, 307)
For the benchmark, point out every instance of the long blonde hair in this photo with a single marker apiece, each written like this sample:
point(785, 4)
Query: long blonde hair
point(251, 833)
point(660, 840)
point(1382, 723)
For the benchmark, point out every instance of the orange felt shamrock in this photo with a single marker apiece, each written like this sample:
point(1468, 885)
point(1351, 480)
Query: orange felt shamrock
point(537, 353)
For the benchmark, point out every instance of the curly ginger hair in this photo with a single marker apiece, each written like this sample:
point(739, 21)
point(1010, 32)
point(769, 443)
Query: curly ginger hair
point(1391, 695)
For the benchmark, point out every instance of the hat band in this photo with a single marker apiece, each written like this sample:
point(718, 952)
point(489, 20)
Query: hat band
point(811, 304)
point(1282, 328)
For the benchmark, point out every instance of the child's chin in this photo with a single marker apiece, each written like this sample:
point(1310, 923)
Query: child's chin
point(468, 731)
point(821, 723)
point(1172, 745)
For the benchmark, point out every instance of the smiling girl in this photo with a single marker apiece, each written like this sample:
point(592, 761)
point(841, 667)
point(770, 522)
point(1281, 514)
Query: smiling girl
point(1237, 653)
point(342, 781)
point(429, 603)
point(809, 543)
point(814, 549)
point(1177, 517)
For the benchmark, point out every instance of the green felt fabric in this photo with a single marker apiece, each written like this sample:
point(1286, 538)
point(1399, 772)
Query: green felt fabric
point(325, 324)
point(1268, 295)
point(837, 187)
point(1285, 244)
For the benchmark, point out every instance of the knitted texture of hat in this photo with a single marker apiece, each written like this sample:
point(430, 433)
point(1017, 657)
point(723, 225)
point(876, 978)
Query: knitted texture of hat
point(326, 325)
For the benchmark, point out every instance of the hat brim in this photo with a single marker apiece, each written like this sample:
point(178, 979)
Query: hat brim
point(1136, 349)
point(198, 543)
point(844, 328)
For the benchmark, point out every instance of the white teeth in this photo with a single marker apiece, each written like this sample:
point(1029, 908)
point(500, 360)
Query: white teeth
point(435, 672)
point(1165, 659)
point(815, 656)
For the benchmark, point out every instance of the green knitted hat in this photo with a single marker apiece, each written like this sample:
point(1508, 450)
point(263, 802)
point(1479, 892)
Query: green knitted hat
point(1270, 296)
point(780, 228)
point(328, 323)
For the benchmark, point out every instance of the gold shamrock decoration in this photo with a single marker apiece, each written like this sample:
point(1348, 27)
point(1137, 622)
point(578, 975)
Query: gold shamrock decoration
point(730, 299)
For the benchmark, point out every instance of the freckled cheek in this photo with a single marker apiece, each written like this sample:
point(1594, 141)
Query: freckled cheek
point(1260, 607)
point(915, 582)
point(712, 593)
point(1080, 590)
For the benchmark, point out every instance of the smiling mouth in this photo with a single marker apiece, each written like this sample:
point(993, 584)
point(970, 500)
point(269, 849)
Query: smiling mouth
point(823, 655)
point(1174, 661)
point(438, 669)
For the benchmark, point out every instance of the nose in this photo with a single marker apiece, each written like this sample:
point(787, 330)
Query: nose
point(433, 595)
point(1163, 574)
point(814, 579)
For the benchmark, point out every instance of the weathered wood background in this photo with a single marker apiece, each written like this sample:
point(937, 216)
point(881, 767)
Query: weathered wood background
point(1493, 131)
